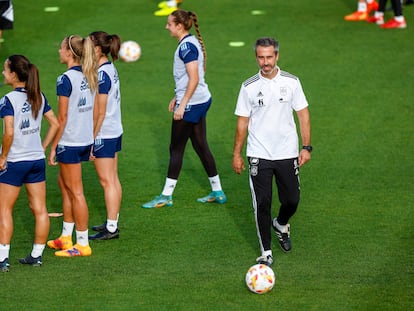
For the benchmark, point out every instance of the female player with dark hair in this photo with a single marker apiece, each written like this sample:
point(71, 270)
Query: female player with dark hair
point(22, 155)
point(189, 106)
point(107, 131)
point(75, 89)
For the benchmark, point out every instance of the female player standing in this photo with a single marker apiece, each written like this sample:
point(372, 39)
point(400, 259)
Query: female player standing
point(107, 132)
point(22, 156)
point(73, 143)
point(189, 106)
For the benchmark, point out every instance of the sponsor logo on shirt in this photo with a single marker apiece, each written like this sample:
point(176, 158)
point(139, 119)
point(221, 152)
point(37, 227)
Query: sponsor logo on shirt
point(26, 107)
point(82, 105)
point(84, 85)
point(25, 127)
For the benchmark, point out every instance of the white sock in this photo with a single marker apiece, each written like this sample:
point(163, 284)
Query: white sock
point(82, 238)
point(370, 1)
point(169, 186)
point(362, 7)
point(111, 225)
point(379, 14)
point(67, 228)
point(4, 251)
point(267, 253)
point(215, 183)
point(280, 227)
point(399, 19)
point(37, 250)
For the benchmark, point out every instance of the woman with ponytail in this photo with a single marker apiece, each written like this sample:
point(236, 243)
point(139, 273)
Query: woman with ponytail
point(107, 131)
point(22, 154)
point(189, 107)
point(72, 145)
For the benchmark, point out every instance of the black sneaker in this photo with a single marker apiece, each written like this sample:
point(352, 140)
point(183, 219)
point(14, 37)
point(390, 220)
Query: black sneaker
point(265, 260)
point(100, 228)
point(4, 265)
point(283, 237)
point(29, 260)
point(105, 235)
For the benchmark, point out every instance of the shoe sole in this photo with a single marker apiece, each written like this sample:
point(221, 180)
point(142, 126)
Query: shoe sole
point(37, 264)
point(70, 256)
point(103, 238)
point(355, 20)
point(403, 27)
point(159, 205)
point(219, 200)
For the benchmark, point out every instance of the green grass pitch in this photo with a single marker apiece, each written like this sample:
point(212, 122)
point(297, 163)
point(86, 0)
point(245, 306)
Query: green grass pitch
point(353, 233)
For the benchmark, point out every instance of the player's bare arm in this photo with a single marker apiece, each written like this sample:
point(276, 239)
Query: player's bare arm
point(305, 132)
point(239, 139)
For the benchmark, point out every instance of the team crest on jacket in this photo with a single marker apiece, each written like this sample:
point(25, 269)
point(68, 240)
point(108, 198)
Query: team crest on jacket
point(254, 166)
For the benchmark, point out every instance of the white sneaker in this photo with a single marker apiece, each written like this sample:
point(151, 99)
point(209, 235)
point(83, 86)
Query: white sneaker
point(265, 260)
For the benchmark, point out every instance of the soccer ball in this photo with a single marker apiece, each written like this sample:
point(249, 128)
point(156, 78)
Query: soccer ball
point(130, 51)
point(260, 279)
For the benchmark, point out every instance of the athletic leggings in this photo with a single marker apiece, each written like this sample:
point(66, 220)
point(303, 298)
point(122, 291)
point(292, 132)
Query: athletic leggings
point(396, 6)
point(262, 172)
point(181, 131)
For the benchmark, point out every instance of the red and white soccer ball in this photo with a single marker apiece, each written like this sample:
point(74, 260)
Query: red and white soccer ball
point(260, 279)
point(130, 51)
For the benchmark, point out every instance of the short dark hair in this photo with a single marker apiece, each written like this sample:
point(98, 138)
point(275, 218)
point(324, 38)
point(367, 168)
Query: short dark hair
point(267, 41)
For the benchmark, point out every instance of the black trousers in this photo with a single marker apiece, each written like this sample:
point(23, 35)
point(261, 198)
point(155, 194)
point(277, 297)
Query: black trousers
point(4, 22)
point(181, 132)
point(396, 6)
point(286, 175)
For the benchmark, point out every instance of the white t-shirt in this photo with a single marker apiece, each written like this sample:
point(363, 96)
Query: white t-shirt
point(269, 104)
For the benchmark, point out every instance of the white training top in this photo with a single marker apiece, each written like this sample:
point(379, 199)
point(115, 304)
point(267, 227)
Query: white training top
point(270, 104)
point(79, 126)
point(188, 50)
point(27, 143)
point(109, 84)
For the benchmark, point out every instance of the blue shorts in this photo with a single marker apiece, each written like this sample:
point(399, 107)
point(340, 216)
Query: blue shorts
point(72, 155)
point(23, 172)
point(193, 113)
point(107, 147)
